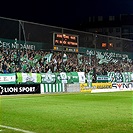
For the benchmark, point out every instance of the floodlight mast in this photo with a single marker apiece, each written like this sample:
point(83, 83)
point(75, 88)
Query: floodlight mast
point(21, 26)
point(62, 52)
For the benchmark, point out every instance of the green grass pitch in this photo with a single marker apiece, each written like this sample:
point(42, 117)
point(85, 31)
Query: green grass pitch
point(68, 113)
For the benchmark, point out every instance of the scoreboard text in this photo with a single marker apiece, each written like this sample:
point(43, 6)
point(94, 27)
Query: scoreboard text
point(65, 40)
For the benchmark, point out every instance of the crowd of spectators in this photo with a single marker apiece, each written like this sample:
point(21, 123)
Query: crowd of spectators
point(12, 61)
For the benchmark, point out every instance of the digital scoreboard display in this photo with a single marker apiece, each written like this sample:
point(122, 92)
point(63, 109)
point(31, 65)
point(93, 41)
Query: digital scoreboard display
point(65, 42)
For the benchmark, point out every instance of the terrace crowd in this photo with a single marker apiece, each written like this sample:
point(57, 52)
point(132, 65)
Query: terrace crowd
point(12, 61)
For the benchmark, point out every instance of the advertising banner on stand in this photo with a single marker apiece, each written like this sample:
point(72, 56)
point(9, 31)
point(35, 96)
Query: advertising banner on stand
point(11, 89)
point(103, 79)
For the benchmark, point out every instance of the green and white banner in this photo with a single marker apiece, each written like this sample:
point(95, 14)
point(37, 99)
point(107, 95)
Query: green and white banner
point(70, 78)
point(132, 76)
point(9, 78)
point(106, 56)
point(17, 44)
point(48, 88)
point(28, 77)
point(126, 76)
point(75, 77)
point(78, 77)
point(63, 77)
point(48, 78)
point(120, 77)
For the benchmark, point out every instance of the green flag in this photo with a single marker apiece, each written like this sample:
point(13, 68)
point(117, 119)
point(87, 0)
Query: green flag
point(48, 57)
point(35, 60)
point(79, 56)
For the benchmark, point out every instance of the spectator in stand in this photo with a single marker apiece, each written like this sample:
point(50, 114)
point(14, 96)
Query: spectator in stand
point(5, 67)
point(99, 71)
point(35, 61)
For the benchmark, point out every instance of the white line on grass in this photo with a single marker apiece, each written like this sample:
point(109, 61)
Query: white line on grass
point(16, 129)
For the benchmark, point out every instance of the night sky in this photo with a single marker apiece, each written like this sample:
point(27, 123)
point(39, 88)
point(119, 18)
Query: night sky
point(64, 13)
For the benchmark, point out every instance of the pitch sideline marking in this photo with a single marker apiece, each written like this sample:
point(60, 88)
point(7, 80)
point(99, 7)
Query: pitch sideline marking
point(16, 129)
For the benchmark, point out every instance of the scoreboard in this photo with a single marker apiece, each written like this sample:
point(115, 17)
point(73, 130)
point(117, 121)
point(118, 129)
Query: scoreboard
point(65, 42)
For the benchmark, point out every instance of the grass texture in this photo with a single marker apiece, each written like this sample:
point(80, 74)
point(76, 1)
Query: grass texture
point(68, 113)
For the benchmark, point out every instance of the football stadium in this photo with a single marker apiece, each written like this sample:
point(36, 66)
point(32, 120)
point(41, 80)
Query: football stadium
point(59, 80)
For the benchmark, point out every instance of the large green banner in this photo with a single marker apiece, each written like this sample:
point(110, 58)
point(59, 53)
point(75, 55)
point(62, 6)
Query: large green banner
point(16, 44)
point(75, 77)
point(69, 78)
point(105, 56)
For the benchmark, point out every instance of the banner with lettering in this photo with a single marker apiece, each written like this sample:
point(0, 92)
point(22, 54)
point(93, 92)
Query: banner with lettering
point(103, 78)
point(12, 89)
point(17, 44)
point(105, 56)
point(9, 78)
point(70, 78)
